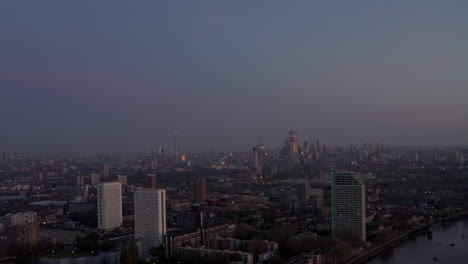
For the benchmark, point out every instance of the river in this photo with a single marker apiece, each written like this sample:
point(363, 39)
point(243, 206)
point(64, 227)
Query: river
point(423, 250)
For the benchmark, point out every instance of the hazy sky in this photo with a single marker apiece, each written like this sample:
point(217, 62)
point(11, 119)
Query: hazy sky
point(118, 76)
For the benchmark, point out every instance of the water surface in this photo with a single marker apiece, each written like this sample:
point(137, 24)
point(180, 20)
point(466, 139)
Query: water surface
point(423, 250)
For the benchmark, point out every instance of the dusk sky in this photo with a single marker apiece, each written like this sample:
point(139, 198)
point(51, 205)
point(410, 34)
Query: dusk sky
point(120, 76)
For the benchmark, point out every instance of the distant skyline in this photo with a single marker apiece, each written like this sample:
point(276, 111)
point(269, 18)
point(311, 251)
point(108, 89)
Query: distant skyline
point(120, 76)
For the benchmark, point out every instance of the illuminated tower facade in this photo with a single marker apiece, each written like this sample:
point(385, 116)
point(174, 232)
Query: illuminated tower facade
point(293, 143)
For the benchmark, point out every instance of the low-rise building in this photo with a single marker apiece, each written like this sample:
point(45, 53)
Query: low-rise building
point(195, 239)
point(102, 258)
point(243, 257)
point(265, 249)
point(22, 228)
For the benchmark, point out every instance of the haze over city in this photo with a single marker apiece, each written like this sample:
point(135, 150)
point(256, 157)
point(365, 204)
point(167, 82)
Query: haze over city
point(121, 76)
point(233, 132)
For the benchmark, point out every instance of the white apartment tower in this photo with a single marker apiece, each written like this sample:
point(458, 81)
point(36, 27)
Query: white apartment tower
point(150, 216)
point(348, 206)
point(109, 205)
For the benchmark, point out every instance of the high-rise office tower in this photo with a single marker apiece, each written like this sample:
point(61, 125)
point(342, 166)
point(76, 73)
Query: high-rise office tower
point(109, 205)
point(199, 190)
point(348, 206)
point(379, 148)
point(292, 143)
point(105, 170)
point(150, 216)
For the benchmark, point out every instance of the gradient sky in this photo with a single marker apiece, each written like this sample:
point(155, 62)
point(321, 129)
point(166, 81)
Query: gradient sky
point(119, 76)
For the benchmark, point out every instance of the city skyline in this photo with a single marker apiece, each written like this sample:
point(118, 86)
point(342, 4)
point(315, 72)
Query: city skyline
point(90, 78)
point(220, 132)
point(167, 147)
